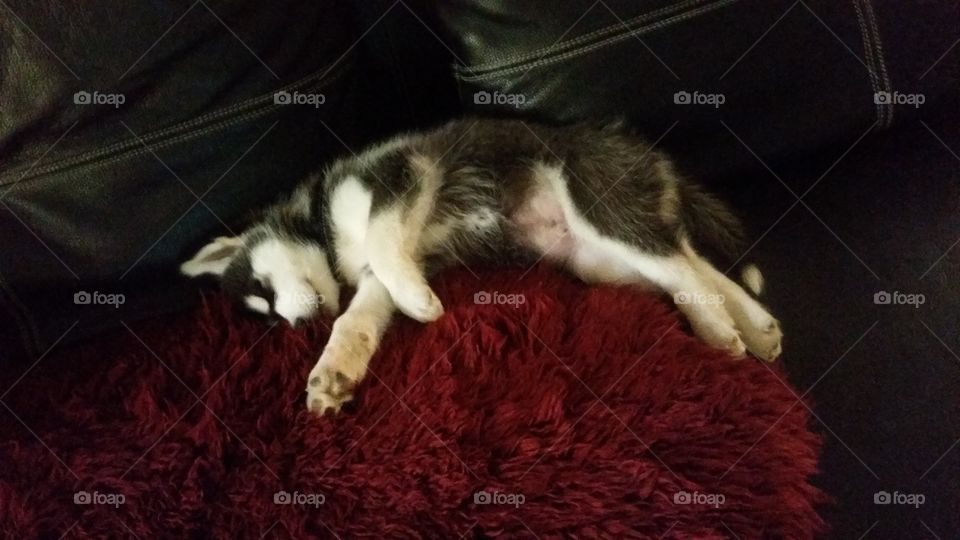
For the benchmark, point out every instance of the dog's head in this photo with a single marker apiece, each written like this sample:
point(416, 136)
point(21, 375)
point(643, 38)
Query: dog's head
point(271, 270)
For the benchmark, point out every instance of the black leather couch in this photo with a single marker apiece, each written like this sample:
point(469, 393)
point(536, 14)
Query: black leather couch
point(130, 134)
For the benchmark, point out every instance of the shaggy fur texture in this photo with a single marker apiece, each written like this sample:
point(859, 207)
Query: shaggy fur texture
point(492, 397)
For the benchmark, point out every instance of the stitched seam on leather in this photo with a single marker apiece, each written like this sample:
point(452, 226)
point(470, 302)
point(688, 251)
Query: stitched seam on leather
point(601, 44)
point(163, 143)
point(878, 48)
point(178, 139)
point(164, 134)
point(868, 57)
point(209, 120)
point(507, 61)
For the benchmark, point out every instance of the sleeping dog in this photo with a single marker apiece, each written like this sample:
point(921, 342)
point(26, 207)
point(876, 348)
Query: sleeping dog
point(596, 200)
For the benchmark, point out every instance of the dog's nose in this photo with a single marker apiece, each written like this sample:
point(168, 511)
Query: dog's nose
point(296, 322)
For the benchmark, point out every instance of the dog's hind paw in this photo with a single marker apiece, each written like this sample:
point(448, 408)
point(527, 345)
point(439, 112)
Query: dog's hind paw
point(765, 342)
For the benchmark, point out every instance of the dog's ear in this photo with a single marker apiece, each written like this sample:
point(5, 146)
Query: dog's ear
point(213, 258)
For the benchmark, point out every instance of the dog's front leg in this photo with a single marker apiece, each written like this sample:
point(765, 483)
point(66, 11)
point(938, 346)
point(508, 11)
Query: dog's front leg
point(354, 338)
point(391, 246)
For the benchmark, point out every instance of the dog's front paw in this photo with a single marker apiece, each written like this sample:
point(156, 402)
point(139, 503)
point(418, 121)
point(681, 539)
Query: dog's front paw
point(341, 366)
point(328, 389)
point(419, 303)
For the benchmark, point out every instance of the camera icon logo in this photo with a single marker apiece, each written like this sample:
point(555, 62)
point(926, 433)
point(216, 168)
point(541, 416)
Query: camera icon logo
point(82, 98)
point(82, 497)
point(481, 497)
point(882, 98)
point(482, 98)
point(282, 497)
point(881, 298)
point(82, 298)
point(482, 298)
point(282, 98)
point(682, 97)
point(681, 298)
point(882, 497)
point(682, 497)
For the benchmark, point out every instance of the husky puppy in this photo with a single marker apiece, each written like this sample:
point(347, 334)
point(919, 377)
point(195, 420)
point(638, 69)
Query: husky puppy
point(596, 200)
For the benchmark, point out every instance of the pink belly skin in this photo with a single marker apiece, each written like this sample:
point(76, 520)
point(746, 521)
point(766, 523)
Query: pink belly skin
point(540, 224)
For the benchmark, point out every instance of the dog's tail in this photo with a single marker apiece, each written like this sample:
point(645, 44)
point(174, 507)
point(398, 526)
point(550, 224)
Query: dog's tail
point(710, 224)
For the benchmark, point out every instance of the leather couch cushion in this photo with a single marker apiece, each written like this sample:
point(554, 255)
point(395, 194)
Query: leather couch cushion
point(784, 76)
point(131, 134)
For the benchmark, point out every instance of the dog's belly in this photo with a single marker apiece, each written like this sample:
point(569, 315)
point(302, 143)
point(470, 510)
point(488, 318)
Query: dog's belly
point(541, 224)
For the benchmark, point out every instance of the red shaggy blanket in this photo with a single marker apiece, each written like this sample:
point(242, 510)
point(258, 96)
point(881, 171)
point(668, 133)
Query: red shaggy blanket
point(581, 411)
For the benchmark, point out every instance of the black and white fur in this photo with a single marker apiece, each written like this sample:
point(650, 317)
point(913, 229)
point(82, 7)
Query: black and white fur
point(598, 201)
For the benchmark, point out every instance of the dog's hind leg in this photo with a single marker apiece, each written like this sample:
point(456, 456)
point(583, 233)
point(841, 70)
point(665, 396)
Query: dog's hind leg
point(694, 295)
point(759, 330)
point(551, 224)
